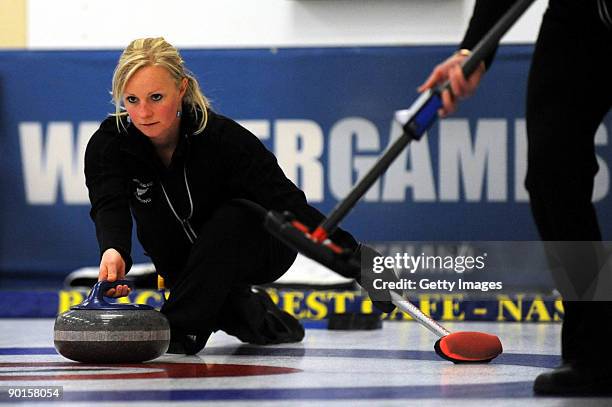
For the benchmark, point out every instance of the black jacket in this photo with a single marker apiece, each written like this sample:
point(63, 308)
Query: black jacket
point(224, 162)
point(592, 15)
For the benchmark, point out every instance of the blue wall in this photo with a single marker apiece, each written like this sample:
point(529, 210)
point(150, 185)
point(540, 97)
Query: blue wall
point(332, 105)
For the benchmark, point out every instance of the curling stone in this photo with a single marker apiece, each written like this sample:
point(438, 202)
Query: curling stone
point(97, 331)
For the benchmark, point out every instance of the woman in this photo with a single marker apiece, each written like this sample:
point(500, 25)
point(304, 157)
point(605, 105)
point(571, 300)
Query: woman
point(198, 185)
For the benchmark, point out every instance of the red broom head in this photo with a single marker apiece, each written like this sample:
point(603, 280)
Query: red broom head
point(469, 347)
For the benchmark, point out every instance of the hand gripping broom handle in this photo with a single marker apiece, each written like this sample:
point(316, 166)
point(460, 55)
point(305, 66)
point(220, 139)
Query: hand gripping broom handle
point(416, 120)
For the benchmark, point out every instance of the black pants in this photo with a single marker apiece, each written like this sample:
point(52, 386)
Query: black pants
point(569, 93)
point(212, 290)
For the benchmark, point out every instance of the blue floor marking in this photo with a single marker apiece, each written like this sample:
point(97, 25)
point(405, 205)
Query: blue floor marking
point(517, 359)
point(28, 351)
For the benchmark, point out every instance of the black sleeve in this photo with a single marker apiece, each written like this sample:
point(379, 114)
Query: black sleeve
point(107, 187)
point(486, 13)
point(255, 170)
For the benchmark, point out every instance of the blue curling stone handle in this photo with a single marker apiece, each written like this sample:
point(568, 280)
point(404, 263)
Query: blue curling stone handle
point(96, 301)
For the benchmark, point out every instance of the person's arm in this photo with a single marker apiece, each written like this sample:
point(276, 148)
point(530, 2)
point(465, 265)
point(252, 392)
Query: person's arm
point(109, 206)
point(486, 13)
point(255, 170)
point(252, 168)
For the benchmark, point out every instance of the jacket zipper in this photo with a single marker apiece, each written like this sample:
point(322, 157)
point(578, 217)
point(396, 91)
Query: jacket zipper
point(191, 234)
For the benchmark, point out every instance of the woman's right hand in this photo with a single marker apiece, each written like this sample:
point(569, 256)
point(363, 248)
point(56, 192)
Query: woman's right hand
point(462, 88)
point(112, 268)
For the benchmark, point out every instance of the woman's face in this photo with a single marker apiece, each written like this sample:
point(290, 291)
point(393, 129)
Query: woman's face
point(152, 99)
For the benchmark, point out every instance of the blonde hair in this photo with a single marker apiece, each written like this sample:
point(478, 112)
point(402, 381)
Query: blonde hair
point(158, 52)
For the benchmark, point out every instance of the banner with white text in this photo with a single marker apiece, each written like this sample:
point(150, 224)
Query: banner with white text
point(327, 114)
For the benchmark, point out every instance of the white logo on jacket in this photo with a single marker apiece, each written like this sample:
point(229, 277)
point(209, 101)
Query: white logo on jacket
point(143, 191)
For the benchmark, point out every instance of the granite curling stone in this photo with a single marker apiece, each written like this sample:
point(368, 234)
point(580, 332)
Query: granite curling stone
point(97, 331)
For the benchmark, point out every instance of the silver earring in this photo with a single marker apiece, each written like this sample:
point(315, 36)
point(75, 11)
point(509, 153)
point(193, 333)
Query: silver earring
point(129, 119)
point(179, 113)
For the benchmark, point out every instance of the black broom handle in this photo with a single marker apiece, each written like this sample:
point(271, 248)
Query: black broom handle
point(426, 107)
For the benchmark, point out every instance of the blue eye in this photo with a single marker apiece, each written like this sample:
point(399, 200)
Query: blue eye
point(131, 99)
point(156, 97)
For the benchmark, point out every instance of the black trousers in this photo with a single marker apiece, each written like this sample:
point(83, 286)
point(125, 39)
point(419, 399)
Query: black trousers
point(212, 290)
point(569, 93)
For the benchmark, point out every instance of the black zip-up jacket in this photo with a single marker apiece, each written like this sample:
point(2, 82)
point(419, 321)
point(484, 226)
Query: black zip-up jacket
point(123, 173)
